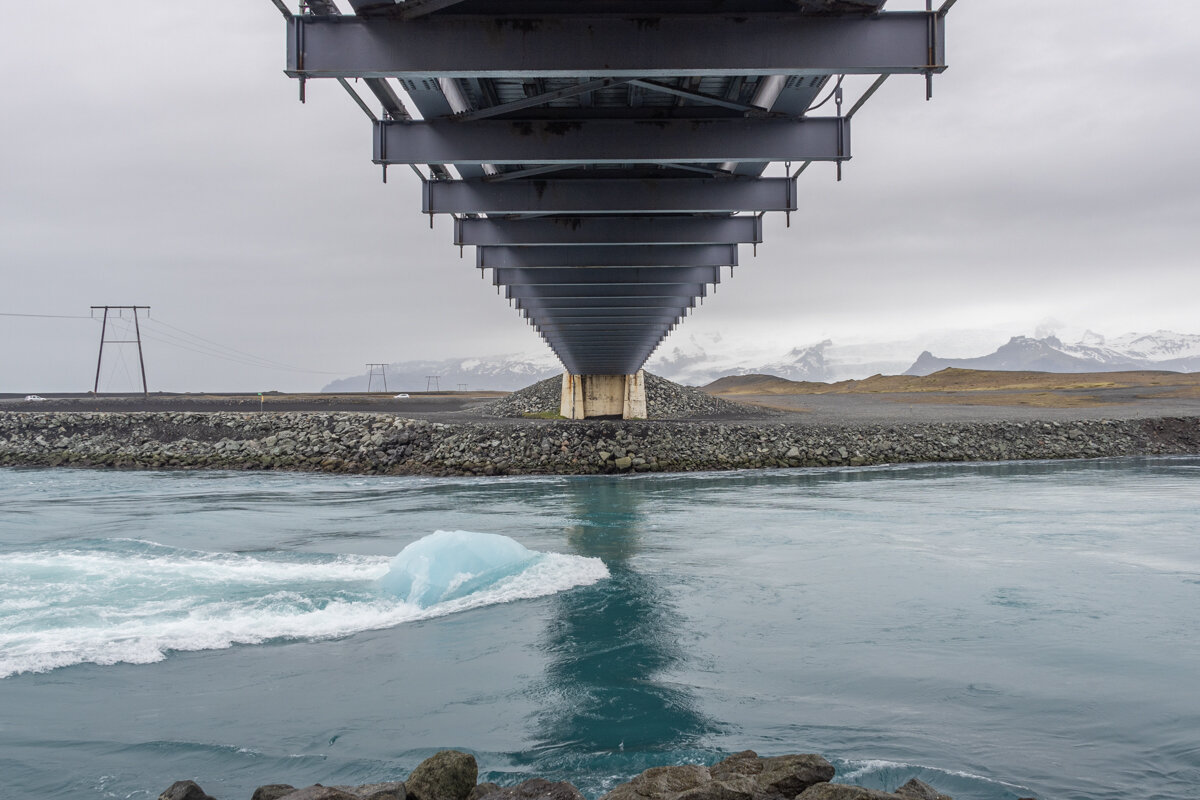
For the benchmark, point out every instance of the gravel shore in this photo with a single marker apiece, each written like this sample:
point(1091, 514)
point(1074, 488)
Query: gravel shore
point(388, 444)
point(689, 431)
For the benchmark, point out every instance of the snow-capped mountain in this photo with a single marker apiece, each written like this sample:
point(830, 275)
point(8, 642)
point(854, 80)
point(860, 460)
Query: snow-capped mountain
point(697, 361)
point(502, 372)
point(1161, 350)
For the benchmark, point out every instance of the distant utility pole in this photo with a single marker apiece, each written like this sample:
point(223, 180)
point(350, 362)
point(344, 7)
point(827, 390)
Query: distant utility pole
point(432, 380)
point(462, 387)
point(382, 372)
point(104, 340)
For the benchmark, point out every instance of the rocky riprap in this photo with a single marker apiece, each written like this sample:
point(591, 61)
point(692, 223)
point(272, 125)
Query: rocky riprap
point(452, 775)
point(664, 400)
point(387, 444)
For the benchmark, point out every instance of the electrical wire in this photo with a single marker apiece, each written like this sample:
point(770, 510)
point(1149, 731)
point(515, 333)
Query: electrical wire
point(186, 340)
point(196, 343)
point(829, 96)
point(45, 316)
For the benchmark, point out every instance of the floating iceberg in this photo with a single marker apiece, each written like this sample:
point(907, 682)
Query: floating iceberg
point(446, 565)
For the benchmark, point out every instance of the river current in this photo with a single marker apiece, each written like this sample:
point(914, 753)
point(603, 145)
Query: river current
point(997, 630)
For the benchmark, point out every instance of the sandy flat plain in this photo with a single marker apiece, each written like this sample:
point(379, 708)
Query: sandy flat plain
point(950, 395)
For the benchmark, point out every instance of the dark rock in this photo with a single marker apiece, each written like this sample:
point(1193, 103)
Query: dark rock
point(391, 790)
point(791, 775)
point(661, 782)
point(737, 765)
point(185, 790)
point(483, 790)
point(533, 789)
point(736, 789)
point(919, 790)
point(448, 775)
point(272, 791)
point(838, 791)
point(319, 792)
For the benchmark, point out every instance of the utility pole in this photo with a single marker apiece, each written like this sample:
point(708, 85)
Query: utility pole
point(432, 380)
point(382, 372)
point(104, 340)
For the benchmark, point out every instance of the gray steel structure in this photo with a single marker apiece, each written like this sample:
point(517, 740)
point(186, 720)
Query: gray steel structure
point(606, 158)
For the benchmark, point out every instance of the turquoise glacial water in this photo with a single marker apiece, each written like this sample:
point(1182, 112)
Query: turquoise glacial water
point(1000, 631)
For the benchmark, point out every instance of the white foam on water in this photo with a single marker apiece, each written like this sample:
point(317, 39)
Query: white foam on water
point(1147, 561)
point(135, 602)
point(860, 768)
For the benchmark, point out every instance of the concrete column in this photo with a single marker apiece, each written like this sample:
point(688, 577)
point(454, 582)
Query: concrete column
point(586, 396)
point(635, 396)
point(571, 406)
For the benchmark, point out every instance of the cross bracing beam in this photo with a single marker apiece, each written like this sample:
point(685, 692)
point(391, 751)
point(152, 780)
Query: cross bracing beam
point(607, 255)
point(611, 141)
point(605, 276)
point(602, 304)
point(638, 332)
point(608, 230)
point(610, 196)
point(604, 314)
point(570, 318)
point(587, 337)
point(614, 46)
point(538, 99)
point(680, 292)
point(698, 97)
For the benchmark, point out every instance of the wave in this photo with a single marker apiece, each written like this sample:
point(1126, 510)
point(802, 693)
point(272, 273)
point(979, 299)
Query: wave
point(134, 601)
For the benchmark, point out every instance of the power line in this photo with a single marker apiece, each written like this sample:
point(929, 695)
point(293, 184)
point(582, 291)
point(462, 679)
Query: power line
point(243, 354)
point(191, 342)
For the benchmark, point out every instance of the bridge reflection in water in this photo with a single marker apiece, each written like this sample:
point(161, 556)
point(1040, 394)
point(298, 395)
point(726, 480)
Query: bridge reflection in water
point(611, 647)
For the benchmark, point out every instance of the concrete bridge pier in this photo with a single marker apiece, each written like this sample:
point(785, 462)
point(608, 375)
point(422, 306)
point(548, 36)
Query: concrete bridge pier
point(586, 396)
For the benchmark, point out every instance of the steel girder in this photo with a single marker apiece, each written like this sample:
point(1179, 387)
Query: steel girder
point(611, 141)
point(605, 314)
point(605, 276)
point(638, 46)
point(608, 230)
point(680, 292)
point(627, 305)
point(610, 196)
point(607, 255)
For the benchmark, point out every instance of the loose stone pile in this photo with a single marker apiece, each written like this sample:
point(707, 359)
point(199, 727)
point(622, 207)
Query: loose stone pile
point(664, 400)
point(452, 775)
point(381, 443)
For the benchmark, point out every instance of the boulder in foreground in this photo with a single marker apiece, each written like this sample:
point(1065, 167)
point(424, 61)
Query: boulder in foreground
point(452, 775)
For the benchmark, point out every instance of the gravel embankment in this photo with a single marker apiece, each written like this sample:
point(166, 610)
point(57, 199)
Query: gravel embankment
point(664, 400)
point(382, 443)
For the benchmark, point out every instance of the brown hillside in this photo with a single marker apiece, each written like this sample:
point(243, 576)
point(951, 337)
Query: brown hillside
point(952, 380)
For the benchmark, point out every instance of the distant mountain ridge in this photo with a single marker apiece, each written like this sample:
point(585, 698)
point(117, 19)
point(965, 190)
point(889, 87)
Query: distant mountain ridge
point(696, 363)
point(504, 373)
point(1161, 350)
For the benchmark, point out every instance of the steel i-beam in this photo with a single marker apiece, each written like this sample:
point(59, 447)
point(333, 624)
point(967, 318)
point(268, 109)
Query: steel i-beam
point(608, 230)
point(607, 255)
point(610, 196)
point(611, 141)
point(609, 46)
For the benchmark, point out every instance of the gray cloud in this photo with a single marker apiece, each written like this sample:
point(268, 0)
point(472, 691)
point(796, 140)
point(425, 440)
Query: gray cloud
point(162, 158)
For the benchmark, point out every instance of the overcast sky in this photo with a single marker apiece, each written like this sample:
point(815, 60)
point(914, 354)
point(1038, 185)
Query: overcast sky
point(155, 154)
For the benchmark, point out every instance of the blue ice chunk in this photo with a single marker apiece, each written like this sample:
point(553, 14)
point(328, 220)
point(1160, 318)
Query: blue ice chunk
point(449, 564)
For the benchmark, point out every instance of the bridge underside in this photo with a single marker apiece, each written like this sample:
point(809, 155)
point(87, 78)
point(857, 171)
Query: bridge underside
point(607, 158)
